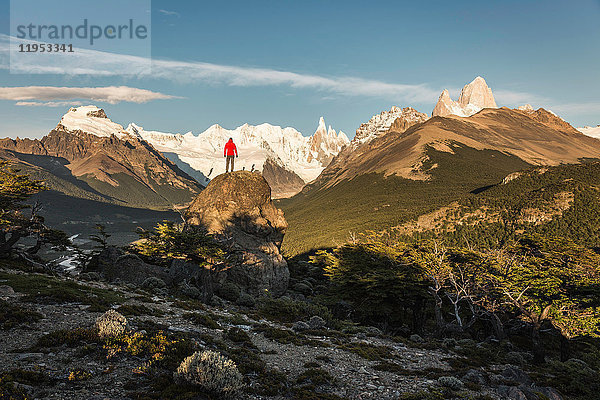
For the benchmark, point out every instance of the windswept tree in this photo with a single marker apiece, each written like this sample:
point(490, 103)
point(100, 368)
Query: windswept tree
point(379, 278)
point(18, 220)
point(546, 279)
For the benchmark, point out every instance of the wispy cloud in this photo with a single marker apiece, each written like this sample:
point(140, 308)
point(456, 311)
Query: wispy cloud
point(170, 13)
point(576, 108)
point(108, 94)
point(48, 103)
point(515, 98)
point(97, 63)
point(85, 61)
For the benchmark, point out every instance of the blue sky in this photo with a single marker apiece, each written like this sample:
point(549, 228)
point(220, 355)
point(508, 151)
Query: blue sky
point(290, 62)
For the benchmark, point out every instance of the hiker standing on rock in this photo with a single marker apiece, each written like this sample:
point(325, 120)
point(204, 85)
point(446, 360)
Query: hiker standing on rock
point(229, 151)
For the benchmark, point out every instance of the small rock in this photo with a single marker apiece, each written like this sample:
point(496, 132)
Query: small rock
point(316, 322)
point(475, 376)
point(514, 374)
point(28, 356)
point(416, 338)
point(300, 326)
point(6, 291)
point(511, 393)
point(451, 382)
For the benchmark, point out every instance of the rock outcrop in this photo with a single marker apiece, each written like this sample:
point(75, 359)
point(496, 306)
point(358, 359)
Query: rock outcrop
point(474, 97)
point(115, 265)
point(237, 209)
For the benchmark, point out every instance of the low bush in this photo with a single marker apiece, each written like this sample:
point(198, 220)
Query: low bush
point(110, 324)
point(211, 371)
point(12, 315)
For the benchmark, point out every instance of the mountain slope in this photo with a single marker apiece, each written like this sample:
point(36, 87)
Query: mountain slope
point(89, 156)
point(537, 137)
point(401, 175)
point(563, 200)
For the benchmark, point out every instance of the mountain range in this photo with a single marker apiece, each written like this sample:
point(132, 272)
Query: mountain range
point(90, 157)
point(286, 158)
point(400, 166)
point(391, 174)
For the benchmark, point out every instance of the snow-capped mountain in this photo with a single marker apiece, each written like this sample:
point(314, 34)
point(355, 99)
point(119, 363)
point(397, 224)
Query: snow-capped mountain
point(90, 157)
point(380, 123)
point(474, 97)
point(593, 131)
point(93, 120)
point(293, 159)
point(284, 147)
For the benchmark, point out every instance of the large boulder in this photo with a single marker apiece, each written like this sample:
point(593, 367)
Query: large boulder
point(116, 265)
point(237, 209)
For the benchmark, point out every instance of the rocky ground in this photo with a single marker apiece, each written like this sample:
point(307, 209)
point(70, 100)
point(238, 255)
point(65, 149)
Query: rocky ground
point(48, 349)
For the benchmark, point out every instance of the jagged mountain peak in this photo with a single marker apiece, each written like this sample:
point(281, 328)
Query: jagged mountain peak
point(321, 123)
point(474, 97)
point(477, 93)
point(381, 123)
point(526, 107)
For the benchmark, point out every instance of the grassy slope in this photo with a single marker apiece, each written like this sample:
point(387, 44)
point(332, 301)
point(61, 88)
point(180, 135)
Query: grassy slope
point(322, 218)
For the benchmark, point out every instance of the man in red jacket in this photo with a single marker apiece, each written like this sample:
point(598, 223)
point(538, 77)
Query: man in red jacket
point(229, 151)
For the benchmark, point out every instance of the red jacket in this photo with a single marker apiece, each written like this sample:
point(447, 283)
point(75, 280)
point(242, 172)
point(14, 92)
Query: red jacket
point(230, 149)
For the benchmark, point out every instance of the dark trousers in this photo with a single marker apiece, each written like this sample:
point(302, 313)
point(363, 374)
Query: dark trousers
point(230, 160)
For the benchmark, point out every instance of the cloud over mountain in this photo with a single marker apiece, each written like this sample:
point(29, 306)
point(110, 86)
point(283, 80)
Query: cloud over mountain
point(32, 95)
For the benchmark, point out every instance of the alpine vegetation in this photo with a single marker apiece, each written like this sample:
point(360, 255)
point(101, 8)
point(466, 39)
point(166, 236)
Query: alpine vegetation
point(111, 324)
point(211, 371)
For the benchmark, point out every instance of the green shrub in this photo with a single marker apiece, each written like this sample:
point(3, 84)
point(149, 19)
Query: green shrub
point(368, 351)
point(239, 336)
point(46, 289)
point(315, 376)
point(169, 240)
point(288, 310)
point(12, 315)
point(69, 337)
point(202, 319)
point(229, 291)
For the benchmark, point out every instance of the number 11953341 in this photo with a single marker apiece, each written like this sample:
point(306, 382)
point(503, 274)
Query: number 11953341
point(45, 48)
